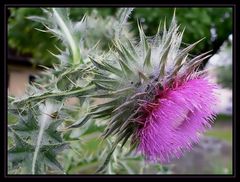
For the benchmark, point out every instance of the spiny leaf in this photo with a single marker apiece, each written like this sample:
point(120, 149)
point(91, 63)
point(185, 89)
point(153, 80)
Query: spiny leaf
point(142, 77)
point(57, 95)
point(32, 136)
point(51, 161)
point(115, 121)
point(163, 61)
point(147, 60)
point(102, 86)
point(184, 52)
point(132, 49)
point(169, 37)
point(159, 28)
point(103, 110)
point(106, 67)
point(121, 137)
point(166, 48)
point(39, 19)
point(113, 128)
point(23, 151)
point(26, 124)
point(138, 95)
point(102, 167)
point(106, 81)
point(193, 65)
point(51, 131)
point(125, 68)
point(122, 16)
point(127, 137)
point(118, 48)
point(48, 154)
point(178, 67)
point(198, 57)
point(54, 148)
point(113, 69)
point(127, 52)
point(81, 122)
point(142, 38)
point(125, 104)
point(20, 151)
point(126, 123)
point(59, 15)
point(111, 94)
point(97, 64)
point(112, 102)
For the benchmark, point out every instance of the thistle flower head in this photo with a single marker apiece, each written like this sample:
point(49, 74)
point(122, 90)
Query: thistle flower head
point(157, 96)
point(176, 118)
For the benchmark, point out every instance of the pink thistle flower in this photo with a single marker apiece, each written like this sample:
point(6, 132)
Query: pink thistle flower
point(174, 122)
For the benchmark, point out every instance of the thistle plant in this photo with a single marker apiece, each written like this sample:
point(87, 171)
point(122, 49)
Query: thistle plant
point(154, 100)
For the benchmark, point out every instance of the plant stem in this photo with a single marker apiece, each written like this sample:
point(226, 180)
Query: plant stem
point(73, 46)
point(43, 121)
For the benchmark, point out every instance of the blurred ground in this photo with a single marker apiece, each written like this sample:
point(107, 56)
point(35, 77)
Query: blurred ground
point(213, 155)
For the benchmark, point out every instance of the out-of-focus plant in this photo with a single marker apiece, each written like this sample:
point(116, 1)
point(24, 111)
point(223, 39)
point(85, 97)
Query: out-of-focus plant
point(224, 72)
point(225, 76)
point(145, 95)
point(22, 34)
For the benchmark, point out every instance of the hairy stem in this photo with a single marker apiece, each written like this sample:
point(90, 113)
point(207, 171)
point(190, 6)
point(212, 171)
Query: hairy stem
point(43, 122)
point(73, 46)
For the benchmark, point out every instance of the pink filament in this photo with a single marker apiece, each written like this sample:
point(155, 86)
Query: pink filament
point(182, 113)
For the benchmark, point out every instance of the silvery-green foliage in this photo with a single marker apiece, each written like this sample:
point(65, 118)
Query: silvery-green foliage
point(108, 28)
point(38, 130)
point(124, 77)
point(36, 135)
point(37, 141)
point(57, 22)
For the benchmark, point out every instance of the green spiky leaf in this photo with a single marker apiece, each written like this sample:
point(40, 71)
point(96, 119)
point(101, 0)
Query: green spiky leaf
point(22, 153)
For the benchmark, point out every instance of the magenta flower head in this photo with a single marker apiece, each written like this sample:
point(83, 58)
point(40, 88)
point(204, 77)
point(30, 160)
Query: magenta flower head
point(176, 119)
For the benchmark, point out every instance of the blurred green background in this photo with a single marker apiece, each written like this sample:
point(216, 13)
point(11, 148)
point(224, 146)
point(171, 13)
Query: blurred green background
point(215, 24)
